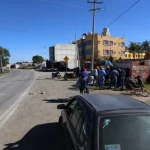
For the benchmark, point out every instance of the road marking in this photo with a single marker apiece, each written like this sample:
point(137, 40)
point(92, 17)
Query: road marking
point(5, 116)
point(2, 94)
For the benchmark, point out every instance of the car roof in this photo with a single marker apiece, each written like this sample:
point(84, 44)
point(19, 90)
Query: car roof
point(109, 102)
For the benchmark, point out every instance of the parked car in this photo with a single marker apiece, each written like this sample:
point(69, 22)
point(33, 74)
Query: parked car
point(105, 122)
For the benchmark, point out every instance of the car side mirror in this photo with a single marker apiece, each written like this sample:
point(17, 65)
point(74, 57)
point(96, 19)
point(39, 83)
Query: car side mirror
point(61, 106)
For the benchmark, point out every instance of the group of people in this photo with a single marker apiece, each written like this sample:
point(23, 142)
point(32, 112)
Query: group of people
point(109, 75)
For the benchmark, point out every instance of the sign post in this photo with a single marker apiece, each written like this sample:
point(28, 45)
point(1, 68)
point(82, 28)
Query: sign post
point(66, 59)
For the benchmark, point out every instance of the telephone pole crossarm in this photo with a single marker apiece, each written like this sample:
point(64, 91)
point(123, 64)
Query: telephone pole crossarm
point(93, 28)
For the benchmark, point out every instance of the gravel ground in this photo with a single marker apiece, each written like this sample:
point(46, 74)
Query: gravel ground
point(34, 125)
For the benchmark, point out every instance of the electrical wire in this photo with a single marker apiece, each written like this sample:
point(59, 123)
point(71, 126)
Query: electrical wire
point(123, 13)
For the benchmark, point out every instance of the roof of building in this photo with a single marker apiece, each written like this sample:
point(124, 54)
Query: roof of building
point(106, 102)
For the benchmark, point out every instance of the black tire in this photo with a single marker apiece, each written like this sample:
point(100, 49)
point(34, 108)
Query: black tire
point(53, 76)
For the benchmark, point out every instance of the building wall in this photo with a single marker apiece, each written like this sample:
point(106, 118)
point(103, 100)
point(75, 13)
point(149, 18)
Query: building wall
point(113, 46)
point(62, 50)
point(104, 47)
point(52, 53)
point(147, 55)
point(129, 55)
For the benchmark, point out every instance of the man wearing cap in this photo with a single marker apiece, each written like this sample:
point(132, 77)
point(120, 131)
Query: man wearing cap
point(115, 75)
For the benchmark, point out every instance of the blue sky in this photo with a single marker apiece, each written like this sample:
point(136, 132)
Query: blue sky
point(26, 26)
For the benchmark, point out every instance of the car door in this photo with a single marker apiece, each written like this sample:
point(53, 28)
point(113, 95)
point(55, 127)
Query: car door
point(66, 124)
point(77, 123)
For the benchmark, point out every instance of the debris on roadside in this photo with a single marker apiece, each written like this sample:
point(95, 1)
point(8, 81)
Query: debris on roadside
point(31, 93)
point(43, 92)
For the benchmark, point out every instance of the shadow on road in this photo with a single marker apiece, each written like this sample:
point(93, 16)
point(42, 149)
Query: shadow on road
point(45, 79)
point(65, 100)
point(41, 137)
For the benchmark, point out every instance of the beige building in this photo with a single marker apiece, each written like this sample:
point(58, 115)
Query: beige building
point(105, 46)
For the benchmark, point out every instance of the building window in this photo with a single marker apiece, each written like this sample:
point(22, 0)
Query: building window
point(89, 42)
point(111, 42)
point(106, 52)
point(114, 43)
point(129, 56)
point(98, 42)
point(123, 53)
point(118, 44)
point(106, 42)
point(114, 52)
point(122, 43)
point(118, 52)
point(88, 51)
point(111, 52)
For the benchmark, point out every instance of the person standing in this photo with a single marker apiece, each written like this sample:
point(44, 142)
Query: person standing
point(115, 75)
point(123, 75)
point(95, 74)
point(102, 75)
point(84, 81)
point(108, 73)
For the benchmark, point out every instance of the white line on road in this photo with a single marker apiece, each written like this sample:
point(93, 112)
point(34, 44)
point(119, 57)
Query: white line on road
point(12, 109)
point(2, 94)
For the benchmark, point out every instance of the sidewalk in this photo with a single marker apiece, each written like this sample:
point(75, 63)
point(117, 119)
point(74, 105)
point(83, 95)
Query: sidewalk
point(34, 125)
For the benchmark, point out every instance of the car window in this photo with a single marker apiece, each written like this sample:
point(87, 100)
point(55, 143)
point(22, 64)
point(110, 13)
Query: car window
point(125, 133)
point(71, 106)
point(80, 121)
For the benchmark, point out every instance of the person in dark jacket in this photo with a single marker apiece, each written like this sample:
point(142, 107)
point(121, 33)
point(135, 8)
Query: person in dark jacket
point(123, 75)
point(83, 85)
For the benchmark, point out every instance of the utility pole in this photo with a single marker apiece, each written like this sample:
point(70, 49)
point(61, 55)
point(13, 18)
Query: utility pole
point(78, 57)
point(93, 28)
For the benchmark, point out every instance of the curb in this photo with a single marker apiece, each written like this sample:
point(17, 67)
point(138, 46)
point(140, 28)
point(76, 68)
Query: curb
point(5, 116)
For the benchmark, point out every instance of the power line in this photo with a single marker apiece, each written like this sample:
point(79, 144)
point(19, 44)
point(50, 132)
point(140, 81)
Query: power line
point(123, 13)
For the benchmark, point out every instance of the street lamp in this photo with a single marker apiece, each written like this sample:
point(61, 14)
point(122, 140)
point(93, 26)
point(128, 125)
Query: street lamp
point(93, 27)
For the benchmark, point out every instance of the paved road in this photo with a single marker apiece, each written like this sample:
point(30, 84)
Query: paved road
point(12, 86)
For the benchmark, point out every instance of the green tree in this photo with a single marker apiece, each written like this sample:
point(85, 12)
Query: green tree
point(111, 59)
point(4, 57)
point(37, 59)
point(133, 48)
point(146, 46)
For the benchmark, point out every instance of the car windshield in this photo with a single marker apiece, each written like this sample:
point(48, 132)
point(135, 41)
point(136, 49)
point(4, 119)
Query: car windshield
point(125, 133)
